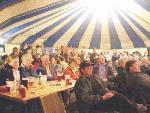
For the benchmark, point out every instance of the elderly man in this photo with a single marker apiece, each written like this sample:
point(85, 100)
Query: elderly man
point(101, 69)
point(46, 68)
point(92, 95)
point(137, 83)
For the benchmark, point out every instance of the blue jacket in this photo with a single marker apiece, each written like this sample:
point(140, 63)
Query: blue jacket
point(27, 72)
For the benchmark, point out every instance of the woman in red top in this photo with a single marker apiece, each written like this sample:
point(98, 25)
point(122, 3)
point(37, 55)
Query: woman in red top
point(72, 69)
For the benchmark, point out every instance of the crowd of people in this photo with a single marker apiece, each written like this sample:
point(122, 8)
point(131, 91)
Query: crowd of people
point(117, 81)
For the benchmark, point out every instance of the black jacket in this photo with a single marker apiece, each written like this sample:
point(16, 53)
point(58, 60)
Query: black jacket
point(88, 91)
point(6, 73)
point(27, 72)
point(138, 86)
point(121, 79)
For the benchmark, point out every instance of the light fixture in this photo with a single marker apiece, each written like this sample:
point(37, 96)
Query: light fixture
point(102, 8)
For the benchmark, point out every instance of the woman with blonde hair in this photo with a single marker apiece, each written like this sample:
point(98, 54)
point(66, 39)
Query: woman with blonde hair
point(26, 69)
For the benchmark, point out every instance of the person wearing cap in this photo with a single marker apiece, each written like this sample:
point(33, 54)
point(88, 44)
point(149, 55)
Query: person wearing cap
point(92, 94)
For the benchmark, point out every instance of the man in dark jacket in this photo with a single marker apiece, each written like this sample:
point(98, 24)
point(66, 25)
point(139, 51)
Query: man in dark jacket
point(10, 70)
point(92, 95)
point(121, 76)
point(138, 84)
point(145, 66)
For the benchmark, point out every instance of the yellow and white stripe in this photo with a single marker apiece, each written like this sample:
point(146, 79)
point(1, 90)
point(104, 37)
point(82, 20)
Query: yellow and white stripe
point(139, 11)
point(69, 34)
point(105, 38)
point(36, 29)
point(54, 30)
point(141, 21)
point(86, 38)
point(141, 35)
point(122, 35)
point(69, 6)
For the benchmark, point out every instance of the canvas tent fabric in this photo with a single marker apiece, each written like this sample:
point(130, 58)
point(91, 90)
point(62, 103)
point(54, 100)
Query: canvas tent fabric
point(70, 24)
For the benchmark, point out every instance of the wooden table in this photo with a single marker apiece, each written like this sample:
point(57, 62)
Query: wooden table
point(49, 90)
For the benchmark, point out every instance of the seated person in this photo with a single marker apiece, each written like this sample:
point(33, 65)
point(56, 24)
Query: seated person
point(101, 68)
point(4, 61)
point(10, 70)
point(145, 66)
point(26, 69)
point(91, 94)
point(72, 69)
point(56, 66)
point(63, 62)
point(46, 69)
point(121, 76)
point(137, 83)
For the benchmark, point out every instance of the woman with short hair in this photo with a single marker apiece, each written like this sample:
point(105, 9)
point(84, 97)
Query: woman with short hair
point(26, 69)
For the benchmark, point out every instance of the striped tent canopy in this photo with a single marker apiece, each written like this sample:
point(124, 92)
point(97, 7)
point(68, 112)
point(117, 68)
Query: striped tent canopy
point(72, 24)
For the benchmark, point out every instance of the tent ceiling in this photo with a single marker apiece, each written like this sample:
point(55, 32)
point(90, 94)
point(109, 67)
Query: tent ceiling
point(72, 24)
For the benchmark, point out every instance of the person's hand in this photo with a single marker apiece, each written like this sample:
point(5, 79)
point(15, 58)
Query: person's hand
point(107, 96)
point(105, 80)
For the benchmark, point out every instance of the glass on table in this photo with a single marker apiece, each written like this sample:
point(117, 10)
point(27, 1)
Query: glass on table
point(43, 79)
point(4, 89)
point(25, 82)
point(67, 79)
point(30, 82)
point(59, 76)
point(72, 81)
point(11, 86)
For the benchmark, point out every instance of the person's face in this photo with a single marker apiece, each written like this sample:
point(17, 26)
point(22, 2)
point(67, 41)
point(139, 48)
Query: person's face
point(53, 60)
point(122, 64)
point(101, 60)
point(110, 63)
point(146, 61)
point(135, 67)
point(29, 51)
point(73, 64)
point(87, 71)
point(46, 61)
point(15, 63)
point(28, 63)
point(16, 52)
point(78, 61)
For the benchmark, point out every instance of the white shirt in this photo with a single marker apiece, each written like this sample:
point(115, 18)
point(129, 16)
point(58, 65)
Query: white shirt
point(16, 75)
